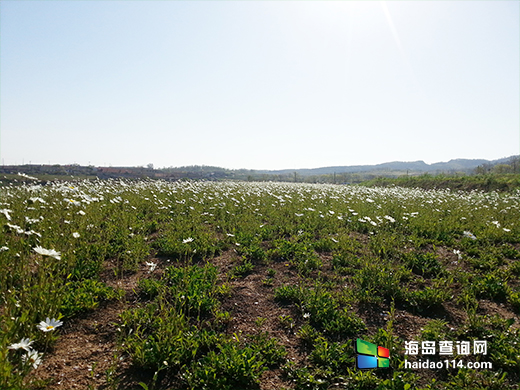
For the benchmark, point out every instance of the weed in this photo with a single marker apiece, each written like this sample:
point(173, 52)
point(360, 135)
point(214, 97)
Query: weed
point(425, 264)
point(243, 269)
point(427, 299)
point(286, 321)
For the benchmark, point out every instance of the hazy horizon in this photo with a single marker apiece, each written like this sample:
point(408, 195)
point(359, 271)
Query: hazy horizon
point(273, 169)
point(258, 85)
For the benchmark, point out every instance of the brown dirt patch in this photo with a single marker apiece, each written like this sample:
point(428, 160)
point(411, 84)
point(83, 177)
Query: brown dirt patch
point(491, 308)
point(84, 351)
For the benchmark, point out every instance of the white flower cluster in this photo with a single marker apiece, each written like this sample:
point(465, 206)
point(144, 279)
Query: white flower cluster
point(32, 357)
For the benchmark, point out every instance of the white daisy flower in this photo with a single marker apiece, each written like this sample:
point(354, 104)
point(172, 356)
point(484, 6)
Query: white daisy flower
point(30, 232)
point(23, 344)
point(75, 235)
point(17, 228)
point(6, 213)
point(32, 357)
point(26, 176)
point(469, 235)
point(189, 239)
point(48, 324)
point(48, 252)
point(151, 266)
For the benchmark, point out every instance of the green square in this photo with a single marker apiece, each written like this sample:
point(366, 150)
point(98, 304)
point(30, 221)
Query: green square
point(383, 362)
point(365, 347)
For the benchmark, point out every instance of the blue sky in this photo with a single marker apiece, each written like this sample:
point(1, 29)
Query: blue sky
point(259, 85)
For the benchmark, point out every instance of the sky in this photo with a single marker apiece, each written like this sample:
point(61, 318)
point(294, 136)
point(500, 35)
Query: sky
point(258, 84)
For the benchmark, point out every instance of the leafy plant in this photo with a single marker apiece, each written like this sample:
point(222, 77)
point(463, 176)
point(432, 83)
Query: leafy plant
point(429, 298)
point(80, 296)
point(271, 351)
point(425, 264)
point(243, 269)
point(229, 368)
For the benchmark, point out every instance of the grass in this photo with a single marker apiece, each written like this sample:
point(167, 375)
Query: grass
point(230, 284)
point(483, 182)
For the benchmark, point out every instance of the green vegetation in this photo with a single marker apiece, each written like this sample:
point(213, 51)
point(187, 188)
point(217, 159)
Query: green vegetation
point(484, 182)
point(228, 283)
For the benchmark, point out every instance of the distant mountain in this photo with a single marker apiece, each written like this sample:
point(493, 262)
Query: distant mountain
point(458, 165)
point(336, 174)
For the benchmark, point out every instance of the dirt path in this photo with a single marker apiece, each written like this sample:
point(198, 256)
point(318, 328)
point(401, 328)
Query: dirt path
point(252, 300)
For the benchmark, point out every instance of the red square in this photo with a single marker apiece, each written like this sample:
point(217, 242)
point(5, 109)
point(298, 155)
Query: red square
point(383, 352)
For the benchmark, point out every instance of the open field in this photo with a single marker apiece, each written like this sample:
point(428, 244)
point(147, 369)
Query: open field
point(233, 285)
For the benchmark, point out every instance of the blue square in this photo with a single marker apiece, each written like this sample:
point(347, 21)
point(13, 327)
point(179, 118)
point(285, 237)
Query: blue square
point(364, 361)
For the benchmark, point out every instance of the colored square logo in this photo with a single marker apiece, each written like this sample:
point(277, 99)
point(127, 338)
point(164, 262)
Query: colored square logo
point(364, 362)
point(370, 356)
point(365, 348)
point(383, 352)
point(383, 363)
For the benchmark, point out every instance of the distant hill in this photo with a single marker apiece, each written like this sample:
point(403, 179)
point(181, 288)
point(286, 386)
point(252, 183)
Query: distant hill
point(335, 174)
point(457, 165)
